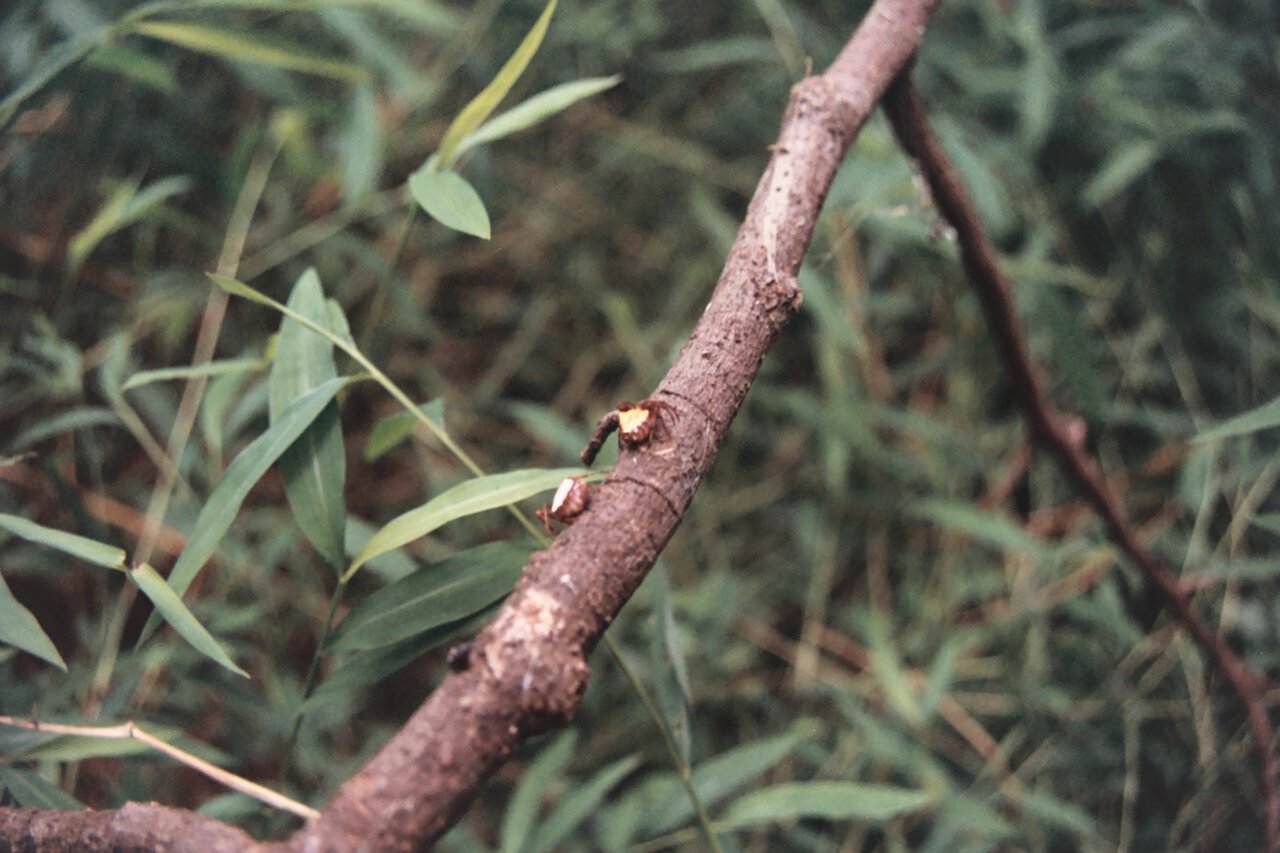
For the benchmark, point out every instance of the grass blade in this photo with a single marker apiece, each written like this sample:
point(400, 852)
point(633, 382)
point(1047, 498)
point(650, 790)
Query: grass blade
point(220, 367)
point(827, 800)
point(238, 46)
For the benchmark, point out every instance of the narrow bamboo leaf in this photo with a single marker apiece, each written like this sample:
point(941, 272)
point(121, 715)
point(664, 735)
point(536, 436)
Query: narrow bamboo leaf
point(338, 325)
point(991, 528)
point(482, 105)
point(80, 417)
point(362, 144)
point(238, 46)
point(366, 669)
point(222, 367)
point(314, 466)
point(578, 805)
point(716, 779)
point(467, 498)
point(393, 429)
point(244, 291)
point(31, 790)
point(241, 474)
point(522, 810)
point(126, 205)
point(169, 605)
point(20, 629)
point(1125, 165)
point(451, 200)
point(446, 591)
point(827, 800)
point(80, 547)
point(54, 63)
point(1266, 416)
point(136, 65)
point(540, 107)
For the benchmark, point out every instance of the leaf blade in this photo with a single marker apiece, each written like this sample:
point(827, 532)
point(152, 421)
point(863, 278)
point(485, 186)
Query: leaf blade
point(314, 466)
point(467, 498)
point(483, 104)
point(450, 199)
point(169, 605)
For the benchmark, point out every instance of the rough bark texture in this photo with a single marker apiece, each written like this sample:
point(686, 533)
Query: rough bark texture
point(136, 826)
point(527, 670)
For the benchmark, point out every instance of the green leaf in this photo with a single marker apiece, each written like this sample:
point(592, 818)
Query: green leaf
point(540, 107)
point(366, 669)
point(80, 547)
point(716, 779)
point(241, 47)
point(245, 470)
point(447, 591)
point(827, 800)
point(126, 205)
point(221, 367)
point(169, 605)
point(314, 467)
point(1266, 416)
point(483, 104)
point(467, 498)
point(522, 809)
point(579, 804)
point(393, 429)
point(54, 63)
point(81, 417)
point(20, 629)
point(1122, 168)
point(449, 199)
point(985, 526)
point(31, 790)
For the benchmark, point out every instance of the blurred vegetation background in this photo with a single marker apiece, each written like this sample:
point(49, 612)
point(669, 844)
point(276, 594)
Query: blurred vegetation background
point(879, 584)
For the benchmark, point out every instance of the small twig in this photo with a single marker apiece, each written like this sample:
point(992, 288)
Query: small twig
point(1063, 435)
point(131, 731)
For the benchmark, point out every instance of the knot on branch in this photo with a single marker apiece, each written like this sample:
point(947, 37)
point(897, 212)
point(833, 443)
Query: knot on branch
point(529, 650)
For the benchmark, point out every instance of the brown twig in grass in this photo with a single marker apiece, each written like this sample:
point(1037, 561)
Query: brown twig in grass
point(1063, 436)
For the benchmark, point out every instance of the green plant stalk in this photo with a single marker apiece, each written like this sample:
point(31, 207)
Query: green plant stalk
point(309, 684)
point(683, 770)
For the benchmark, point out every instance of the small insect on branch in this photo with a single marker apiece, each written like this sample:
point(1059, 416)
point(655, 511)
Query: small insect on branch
point(636, 424)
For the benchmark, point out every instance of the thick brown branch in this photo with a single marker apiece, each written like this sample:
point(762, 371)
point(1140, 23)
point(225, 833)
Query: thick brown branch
point(527, 671)
point(1054, 431)
point(136, 826)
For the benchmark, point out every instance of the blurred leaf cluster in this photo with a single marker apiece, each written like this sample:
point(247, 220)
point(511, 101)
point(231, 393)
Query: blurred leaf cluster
point(886, 622)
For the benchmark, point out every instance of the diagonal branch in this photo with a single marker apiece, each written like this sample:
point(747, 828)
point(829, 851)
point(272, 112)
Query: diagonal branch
point(1062, 435)
point(528, 669)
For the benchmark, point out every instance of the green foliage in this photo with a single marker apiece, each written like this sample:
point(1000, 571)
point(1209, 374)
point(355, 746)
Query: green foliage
point(882, 624)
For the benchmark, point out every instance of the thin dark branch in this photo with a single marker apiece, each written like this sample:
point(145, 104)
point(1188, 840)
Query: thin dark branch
point(1064, 436)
